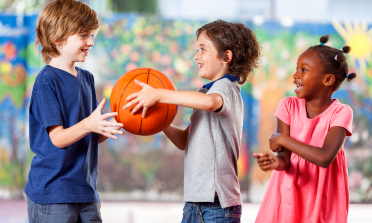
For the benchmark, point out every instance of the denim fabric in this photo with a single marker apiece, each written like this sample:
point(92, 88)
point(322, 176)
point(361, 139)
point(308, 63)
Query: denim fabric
point(205, 212)
point(73, 212)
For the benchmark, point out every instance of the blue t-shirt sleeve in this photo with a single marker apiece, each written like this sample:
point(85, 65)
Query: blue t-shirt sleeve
point(45, 106)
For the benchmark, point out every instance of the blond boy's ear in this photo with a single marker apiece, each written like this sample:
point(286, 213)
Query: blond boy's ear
point(57, 44)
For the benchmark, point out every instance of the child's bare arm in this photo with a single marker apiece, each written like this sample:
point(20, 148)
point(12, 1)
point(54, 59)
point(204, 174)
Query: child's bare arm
point(96, 122)
point(177, 136)
point(268, 161)
point(103, 138)
point(149, 96)
point(321, 156)
point(284, 154)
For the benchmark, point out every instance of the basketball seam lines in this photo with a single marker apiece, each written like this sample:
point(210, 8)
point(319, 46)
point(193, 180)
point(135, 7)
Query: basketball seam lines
point(147, 82)
point(167, 104)
point(123, 93)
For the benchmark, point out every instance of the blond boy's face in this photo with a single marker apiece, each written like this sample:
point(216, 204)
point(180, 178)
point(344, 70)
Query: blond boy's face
point(76, 47)
point(211, 66)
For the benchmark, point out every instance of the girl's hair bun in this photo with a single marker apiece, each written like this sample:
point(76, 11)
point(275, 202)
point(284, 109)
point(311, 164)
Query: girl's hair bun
point(324, 39)
point(340, 58)
point(346, 49)
point(351, 76)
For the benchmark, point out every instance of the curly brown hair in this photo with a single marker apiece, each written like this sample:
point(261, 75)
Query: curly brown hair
point(58, 20)
point(238, 38)
point(333, 61)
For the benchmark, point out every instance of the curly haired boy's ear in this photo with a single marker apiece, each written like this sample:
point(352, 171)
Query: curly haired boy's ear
point(228, 56)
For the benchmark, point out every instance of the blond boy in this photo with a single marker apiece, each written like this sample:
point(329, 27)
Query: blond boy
point(66, 122)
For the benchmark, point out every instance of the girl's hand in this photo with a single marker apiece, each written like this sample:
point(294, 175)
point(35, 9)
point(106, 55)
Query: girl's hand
point(275, 143)
point(145, 98)
point(266, 160)
point(97, 122)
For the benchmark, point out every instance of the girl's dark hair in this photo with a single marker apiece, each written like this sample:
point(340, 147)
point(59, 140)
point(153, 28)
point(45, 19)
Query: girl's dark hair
point(238, 38)
point(333, 60)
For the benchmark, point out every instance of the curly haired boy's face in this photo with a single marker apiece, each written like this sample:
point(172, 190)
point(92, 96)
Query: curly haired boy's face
point(211, 66)
point(76, 47)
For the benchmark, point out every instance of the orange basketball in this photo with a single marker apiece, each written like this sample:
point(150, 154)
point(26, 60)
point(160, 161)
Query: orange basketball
point(158, 117)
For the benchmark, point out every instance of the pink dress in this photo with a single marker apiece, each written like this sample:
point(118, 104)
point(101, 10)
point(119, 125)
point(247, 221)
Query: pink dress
point(306, 192)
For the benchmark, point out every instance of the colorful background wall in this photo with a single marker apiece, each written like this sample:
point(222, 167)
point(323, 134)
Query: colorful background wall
point(151, 168)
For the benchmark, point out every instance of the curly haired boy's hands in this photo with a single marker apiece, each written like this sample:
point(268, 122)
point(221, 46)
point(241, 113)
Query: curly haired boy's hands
point(144, 99)
point(98, 123)
point(266, 160)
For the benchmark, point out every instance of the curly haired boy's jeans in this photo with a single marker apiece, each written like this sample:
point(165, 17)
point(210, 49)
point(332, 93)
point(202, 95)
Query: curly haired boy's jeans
point(72, 212)
point(205, 212)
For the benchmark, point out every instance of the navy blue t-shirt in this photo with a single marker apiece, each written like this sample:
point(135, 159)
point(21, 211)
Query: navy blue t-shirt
point(67, 175)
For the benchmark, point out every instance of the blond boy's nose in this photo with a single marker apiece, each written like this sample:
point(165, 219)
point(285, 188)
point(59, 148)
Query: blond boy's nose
point(90, 42)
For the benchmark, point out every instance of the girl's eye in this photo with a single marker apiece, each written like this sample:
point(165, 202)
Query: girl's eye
point(202, 49)
point(304, 69)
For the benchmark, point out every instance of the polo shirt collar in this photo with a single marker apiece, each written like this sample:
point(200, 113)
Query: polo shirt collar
point(228, 76)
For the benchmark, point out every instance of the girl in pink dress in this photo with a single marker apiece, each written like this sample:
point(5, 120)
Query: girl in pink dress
point(309, 181)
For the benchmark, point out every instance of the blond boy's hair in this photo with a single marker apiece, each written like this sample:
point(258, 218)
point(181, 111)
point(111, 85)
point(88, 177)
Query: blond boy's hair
point(60, 19)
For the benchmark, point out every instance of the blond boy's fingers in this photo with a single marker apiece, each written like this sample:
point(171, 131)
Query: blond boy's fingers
point(101, 104)
point(108, 135)
point(113, 124)
point(112, 131)
point(108, 115)
point(115, 132)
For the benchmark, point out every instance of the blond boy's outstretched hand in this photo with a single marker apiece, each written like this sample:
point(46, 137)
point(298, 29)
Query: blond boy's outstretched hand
point(98, 123)
point(266, 160)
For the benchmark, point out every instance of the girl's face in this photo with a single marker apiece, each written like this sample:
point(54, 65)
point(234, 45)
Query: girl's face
point(309, 76)
point(211, 66)
point(76, 47)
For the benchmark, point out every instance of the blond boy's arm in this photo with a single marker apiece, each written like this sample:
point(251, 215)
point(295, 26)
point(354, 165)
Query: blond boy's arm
point(96, 122)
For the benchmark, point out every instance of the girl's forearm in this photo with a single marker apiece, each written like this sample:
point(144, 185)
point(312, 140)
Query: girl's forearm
point(313, 154)
point(284, 157)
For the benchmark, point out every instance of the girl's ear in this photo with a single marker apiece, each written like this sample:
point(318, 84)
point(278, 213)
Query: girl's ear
point(228, 56)
point(329, 79)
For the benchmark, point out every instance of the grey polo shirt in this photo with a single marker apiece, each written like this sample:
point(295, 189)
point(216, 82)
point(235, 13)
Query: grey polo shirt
point(212, 149)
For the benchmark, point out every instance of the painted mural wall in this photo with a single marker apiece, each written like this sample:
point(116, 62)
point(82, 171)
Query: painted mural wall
point(151, 168)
